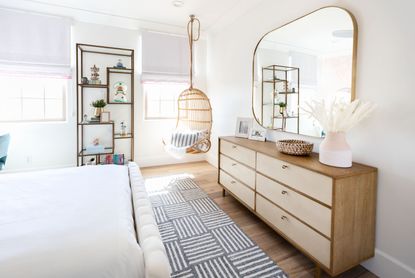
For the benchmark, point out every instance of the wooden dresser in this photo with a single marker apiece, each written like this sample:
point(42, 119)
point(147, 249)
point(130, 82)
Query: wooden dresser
point(327, 213)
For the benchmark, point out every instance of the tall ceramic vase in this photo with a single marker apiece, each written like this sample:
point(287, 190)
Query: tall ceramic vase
point(335, 151)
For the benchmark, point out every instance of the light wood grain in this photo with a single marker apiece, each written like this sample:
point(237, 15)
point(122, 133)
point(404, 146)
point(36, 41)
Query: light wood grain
point(240, 190)
point(314, 214)
point(292, 261)
point(310, 162)
point(239, 153)
point(236, 169)
point(305, 181)
point(311, 242)
point(354, 220)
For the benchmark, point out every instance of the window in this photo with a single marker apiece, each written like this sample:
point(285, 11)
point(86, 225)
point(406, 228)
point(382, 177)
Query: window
point(161, 99)
point(32, 98)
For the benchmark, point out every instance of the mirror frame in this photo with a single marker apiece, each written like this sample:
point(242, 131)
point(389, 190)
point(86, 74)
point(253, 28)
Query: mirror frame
point(354, 60)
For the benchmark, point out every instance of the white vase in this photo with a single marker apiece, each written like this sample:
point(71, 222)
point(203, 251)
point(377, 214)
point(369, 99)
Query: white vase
point(335, 151)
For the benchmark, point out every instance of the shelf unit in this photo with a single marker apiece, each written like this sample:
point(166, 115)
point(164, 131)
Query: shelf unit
point(103, 52)
point(280, 77)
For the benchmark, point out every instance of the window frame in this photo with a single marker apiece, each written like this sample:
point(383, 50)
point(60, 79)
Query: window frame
point(65, 90)
point(145, 95)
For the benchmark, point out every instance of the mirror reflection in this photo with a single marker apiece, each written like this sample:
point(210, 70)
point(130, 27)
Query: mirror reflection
point(308, 59)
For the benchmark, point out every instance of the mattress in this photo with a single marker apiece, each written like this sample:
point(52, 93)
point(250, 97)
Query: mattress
point(73, 222)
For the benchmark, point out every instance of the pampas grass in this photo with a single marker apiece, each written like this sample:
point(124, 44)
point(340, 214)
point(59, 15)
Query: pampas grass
point(338, 116)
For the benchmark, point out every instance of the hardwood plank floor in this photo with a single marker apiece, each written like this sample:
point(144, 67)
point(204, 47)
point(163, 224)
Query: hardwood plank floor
point(284, 254)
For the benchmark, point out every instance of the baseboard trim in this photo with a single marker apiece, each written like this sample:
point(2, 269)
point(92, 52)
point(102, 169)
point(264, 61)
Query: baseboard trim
point(150, 161)
point(384, 265)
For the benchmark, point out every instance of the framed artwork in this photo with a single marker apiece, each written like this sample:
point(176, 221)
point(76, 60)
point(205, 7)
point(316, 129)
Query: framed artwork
point(105, 117)
point(257, 133)
point(243, 125)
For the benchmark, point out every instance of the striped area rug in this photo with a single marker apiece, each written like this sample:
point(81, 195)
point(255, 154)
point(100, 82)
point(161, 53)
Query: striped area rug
point(200, 239)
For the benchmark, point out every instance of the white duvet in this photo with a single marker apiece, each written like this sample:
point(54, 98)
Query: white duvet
point(74, 222)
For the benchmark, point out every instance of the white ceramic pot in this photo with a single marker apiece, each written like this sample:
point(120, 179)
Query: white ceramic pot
point(335, 151)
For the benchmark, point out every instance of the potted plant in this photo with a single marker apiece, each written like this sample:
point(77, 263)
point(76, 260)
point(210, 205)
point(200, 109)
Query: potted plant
point(98, 107)
point(336, 118)
point(283, 107)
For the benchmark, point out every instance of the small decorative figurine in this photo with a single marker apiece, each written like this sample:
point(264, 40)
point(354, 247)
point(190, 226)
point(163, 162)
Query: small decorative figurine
point(84, 80)
point(95, 142)
point(119, 64)
point(85, 121)
point(95, 75)
point(120, 92)
point(123, 129)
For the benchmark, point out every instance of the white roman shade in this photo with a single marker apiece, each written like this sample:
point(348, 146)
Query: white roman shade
point(165, 57)
point(34, 43)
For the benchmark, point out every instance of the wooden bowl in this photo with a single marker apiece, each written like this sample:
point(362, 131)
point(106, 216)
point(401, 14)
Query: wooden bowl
point(294, 147)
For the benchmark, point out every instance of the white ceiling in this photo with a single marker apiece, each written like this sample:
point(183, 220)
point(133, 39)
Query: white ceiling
point(140, 13)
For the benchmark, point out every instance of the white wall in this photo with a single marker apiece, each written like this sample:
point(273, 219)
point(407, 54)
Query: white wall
point(384, 76)
point(50, 145)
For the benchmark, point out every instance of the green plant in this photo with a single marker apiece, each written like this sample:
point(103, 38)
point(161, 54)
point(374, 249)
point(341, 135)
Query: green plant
point(100, 103)
point(282, 104)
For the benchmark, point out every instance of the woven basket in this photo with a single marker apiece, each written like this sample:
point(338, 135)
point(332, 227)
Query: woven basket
point(294, 147)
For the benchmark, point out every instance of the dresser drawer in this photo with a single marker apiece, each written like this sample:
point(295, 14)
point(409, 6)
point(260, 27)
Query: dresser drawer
point(241, 172)
point(308, 182)
point(313, 243)
point(241, 154)
point(309, 211)
point(241, 191)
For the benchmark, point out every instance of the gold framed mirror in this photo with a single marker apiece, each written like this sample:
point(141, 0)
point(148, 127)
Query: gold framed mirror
point(312, 57)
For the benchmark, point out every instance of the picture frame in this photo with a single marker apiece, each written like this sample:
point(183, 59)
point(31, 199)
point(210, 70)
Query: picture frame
point(257, 133)
point(105, 117)
point(243, 125)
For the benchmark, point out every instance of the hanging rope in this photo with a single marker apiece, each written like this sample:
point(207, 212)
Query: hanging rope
point(190, 34)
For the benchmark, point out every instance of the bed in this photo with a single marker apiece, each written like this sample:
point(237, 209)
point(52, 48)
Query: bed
point(93, 221)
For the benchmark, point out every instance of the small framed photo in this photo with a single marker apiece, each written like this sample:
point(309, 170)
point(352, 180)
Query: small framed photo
point(105, 117)
point(257, 133)
point(243, 125)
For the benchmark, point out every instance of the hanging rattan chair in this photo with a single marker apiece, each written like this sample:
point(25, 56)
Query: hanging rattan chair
point(194, 118)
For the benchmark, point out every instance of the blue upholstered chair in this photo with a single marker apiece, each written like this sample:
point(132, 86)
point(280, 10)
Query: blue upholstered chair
point(4, 146)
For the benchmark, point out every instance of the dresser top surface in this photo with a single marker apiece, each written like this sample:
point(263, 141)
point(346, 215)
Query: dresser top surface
point(309, 162)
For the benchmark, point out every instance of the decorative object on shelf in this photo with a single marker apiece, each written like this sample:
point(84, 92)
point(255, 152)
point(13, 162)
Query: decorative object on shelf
point(336, 118)
point(282, 108)
point(257, 133)
point(123, 129)
point(95, 76)
point(84, 80)
point(85, 119)
point(118, 159)
point(105, 117)
point(108, 159)
point(119, 64)
point(98, 107)
point(120, 92)
point(95, 147)
point(243, 125)
point(294, 147)
point(91, 162)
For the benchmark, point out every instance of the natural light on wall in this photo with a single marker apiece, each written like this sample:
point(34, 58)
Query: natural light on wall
point(34, 68)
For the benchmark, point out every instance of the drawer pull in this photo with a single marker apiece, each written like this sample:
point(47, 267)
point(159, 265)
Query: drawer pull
point(233, 182)
point(234, 164)
point(284, 218)
point(284, 192)
point(234, 147)
point(284, 166)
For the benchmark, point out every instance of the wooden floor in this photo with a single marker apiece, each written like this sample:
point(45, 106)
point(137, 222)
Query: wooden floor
point(284, 254)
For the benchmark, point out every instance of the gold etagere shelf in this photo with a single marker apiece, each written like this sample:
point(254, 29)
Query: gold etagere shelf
point(283, 82)
point(81, 51)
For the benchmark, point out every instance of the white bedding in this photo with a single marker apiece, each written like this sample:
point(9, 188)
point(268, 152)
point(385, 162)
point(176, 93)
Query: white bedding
point(73, 222)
